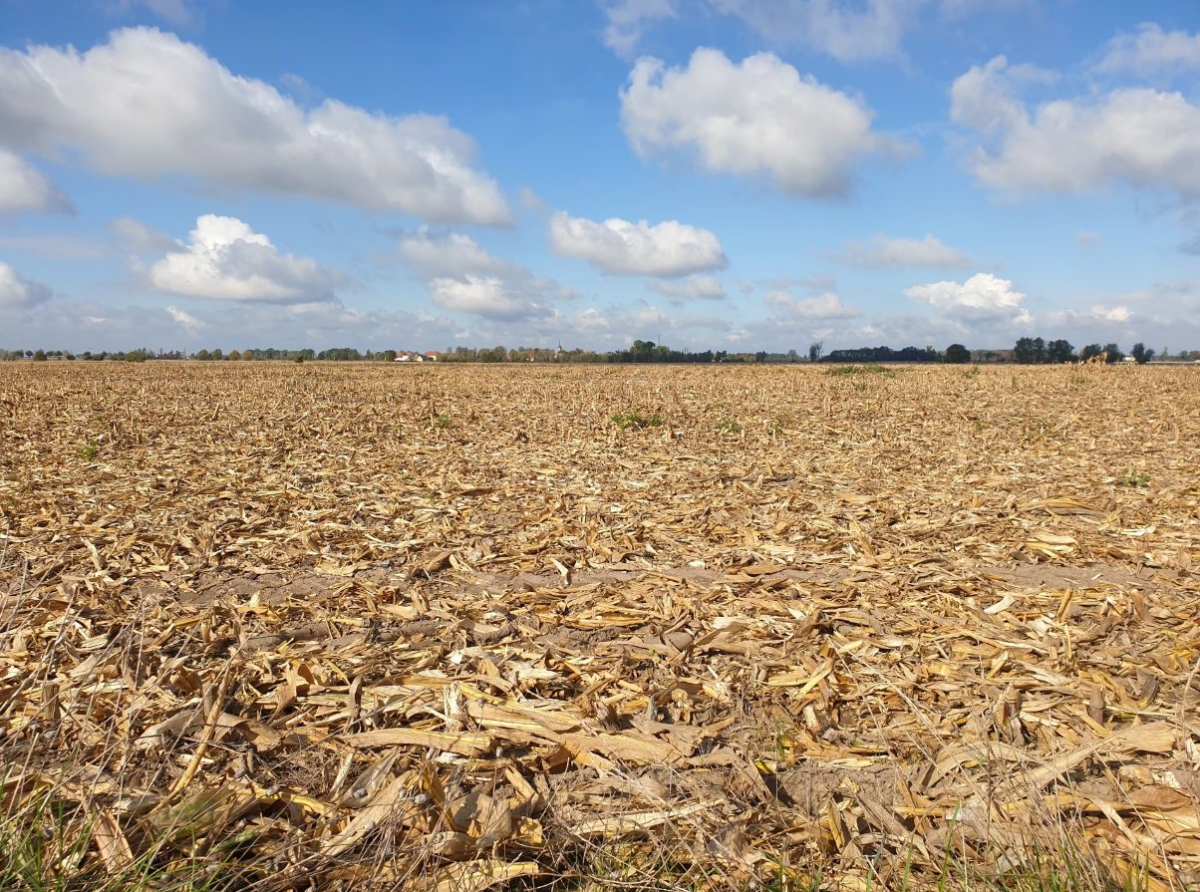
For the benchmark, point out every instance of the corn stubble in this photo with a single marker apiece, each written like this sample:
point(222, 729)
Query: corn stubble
point(266, 626)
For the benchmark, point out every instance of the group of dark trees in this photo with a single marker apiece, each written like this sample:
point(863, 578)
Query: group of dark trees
point(1035, 351)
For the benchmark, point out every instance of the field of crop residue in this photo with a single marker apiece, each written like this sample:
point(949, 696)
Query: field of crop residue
point(349, 626)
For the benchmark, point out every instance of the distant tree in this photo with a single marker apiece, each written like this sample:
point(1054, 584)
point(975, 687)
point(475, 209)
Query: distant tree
point(235, 356)
point(1114, 353)
point(1060, 351)
point(218, 355)
point(29, 354)
point(389, 355)
point(957, 354)
point(1090, 351)
point(39, 356)
point(1141, 354)
point(203, 355)
point(1025, 351)
point(814, 351)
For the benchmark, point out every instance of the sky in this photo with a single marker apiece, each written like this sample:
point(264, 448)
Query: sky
point(709, 174)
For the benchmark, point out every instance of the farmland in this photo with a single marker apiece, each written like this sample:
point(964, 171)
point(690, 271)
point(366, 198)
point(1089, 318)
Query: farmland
point(296, 626)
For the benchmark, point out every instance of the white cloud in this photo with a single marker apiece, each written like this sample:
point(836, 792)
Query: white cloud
point(884, 251)
point(626, 20)
point(621, 248)
point(17, 293)
point(698, 286)
point(148, 105)
point(24, 188)
point(1111, 314)
point(983, 298)
point(462, 276)
point(1086, 239)
point(985, 98)
point(489, 296)
point(1141, 137)
point(430, 255)
point(759, 117)
point(1151, 51)
point(186, 320)
point(844, 30)
point(226, 260)
point(140, 237)
point(822, 306)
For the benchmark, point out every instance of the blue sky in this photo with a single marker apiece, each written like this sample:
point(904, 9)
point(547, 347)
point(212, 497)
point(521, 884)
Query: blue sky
point(712, 174)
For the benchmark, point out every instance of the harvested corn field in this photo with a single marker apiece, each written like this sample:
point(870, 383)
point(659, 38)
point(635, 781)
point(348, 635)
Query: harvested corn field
point(456, 628)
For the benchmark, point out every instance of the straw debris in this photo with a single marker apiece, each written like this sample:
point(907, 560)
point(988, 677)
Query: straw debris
point(265, 626)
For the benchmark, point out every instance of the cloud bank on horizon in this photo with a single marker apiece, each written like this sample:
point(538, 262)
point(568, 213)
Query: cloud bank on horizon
point(712, 174)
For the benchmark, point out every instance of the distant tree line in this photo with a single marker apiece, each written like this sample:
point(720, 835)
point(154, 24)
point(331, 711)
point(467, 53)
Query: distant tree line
point(1036, 351)
point(1027, 351)
point(883, 354)
point(639, 352)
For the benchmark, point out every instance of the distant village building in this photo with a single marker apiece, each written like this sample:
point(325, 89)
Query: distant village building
point(413, 356)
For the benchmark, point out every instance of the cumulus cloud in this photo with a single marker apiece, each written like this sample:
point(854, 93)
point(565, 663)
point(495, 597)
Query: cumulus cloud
point(1150, 52)
point(1141, 137)
point(225, 259)
point(430, 254)
point(759, 117)
point(25, 188)
point(697, 286)
point(884, 251)
point(822, 306)
point(847, 31)
point(626, 21)
point(621, 248)
point(462, 276)
point(1111, 314)
point(489, 296)
point(17, 293)
point(983, 298)
point(149, 105)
